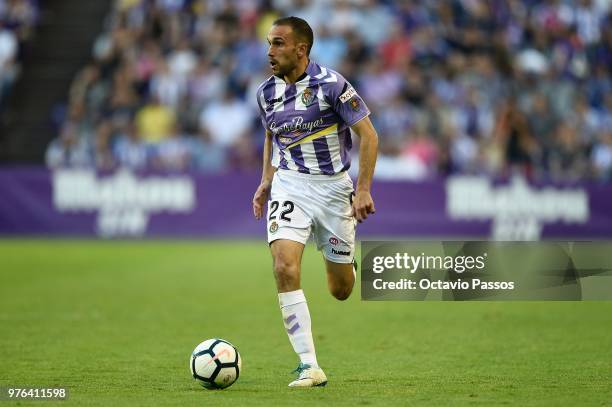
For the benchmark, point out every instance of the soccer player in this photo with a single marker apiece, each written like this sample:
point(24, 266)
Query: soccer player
point(308, 111)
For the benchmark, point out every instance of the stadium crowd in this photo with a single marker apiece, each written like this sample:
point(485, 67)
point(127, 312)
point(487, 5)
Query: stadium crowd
point(464, 86)
point(18, 19)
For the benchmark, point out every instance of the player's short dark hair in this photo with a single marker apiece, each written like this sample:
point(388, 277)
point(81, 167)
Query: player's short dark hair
point(301, 29)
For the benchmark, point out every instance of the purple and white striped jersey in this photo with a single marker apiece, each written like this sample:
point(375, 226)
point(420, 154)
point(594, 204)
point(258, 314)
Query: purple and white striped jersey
point(310, 120)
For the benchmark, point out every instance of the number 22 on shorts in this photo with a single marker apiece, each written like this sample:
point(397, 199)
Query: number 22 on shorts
point(287, 208)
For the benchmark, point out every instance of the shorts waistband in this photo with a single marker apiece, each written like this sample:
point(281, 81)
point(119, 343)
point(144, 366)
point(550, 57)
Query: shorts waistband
point(312, 177)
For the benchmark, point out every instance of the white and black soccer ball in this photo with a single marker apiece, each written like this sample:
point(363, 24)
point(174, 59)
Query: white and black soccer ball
point(215, 364)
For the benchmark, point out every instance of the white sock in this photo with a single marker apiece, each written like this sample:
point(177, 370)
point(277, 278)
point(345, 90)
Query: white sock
point(296, 318)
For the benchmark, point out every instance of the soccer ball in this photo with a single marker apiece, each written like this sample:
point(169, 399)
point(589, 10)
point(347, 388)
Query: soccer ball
point(215, 364)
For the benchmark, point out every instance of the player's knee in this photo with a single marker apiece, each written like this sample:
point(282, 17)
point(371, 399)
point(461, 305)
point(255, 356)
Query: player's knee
point(286, 273)
point(284, 267)
point(341, 293)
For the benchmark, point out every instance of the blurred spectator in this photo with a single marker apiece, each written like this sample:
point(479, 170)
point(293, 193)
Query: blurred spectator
point(172, 154)
point(103, 149)
point(226, 120)
point(207, 156)
point(421, 147)
point(167, 87)
point(155, 121)
point(129, 151)
point(395, 50)
point(69, 150)
point(567, 157)
point(601, 157)
point(513, 133)
point(17, 21)
point(8, 55)
point(328, 49)
point(460, 86)
point(541, 121)
point(206, 83)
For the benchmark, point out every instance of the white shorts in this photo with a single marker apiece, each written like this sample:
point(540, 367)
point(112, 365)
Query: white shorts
point(304, 204)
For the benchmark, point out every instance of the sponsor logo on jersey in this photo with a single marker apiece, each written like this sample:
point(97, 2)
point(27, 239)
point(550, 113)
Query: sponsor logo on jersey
point(340, 252)
point(273, 227)
point(333, 240)
point(271, 102)
point(285, 140)
point(346, 96)
point(297, 124)
point(308, 97)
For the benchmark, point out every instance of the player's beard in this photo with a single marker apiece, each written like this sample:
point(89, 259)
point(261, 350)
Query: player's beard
point(283, 70)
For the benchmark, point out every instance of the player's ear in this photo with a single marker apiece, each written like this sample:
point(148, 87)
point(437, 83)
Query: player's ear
point(302, 49)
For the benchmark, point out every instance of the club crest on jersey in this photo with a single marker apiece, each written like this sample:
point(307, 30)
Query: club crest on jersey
point(354, 103)
point(273, 227)
point(308, 97)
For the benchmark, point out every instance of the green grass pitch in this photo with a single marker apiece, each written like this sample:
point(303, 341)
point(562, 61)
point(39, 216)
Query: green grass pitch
point(115, 322)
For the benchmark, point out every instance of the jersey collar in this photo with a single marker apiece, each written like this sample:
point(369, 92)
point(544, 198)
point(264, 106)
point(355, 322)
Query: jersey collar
point(311, 70)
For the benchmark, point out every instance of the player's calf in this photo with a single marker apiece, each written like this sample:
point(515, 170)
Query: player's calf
point(340, 279)
point(341, 293)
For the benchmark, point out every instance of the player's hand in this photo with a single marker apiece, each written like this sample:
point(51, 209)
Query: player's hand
point(363, 205)
point(260, 198)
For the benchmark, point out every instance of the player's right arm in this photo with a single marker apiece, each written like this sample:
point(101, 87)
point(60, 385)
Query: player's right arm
point(263, 191)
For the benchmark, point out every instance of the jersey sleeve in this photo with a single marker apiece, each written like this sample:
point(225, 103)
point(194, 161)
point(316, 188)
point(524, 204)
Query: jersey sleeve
point(262, 113)
point(345, 101)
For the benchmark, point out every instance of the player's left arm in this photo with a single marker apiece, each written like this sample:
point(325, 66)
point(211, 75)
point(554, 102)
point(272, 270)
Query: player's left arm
point(363, 204)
